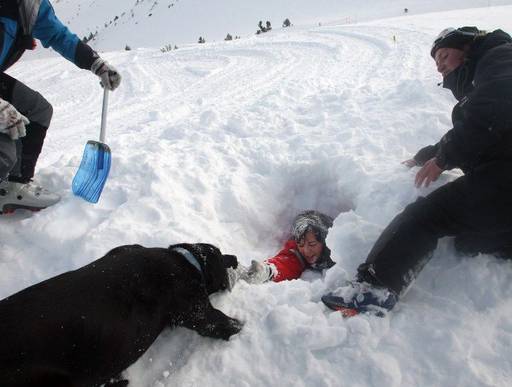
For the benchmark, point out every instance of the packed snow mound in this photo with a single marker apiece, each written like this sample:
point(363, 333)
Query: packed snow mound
point(225, 143)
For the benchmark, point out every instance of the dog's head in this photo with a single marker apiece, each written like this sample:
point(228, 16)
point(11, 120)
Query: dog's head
point(213, 264)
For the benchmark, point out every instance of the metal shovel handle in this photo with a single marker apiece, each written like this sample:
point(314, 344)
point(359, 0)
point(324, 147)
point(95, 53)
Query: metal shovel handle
point(103, 130)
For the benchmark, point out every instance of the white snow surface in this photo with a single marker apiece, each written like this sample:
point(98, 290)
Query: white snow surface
point(225, 143)
point(144, 23)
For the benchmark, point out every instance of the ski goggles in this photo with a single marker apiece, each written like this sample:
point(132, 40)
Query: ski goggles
point(455, 38)
point(450, 31)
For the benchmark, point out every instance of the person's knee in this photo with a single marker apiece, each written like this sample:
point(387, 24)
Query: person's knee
point(42, 111)
point(418, 209)
point(8, 155)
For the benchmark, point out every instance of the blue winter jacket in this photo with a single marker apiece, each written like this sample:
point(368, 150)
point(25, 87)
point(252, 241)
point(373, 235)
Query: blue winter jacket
point(47, 28)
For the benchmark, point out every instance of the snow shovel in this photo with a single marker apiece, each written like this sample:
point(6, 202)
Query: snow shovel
point(93, 171)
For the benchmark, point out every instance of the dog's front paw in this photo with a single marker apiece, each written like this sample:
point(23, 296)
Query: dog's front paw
point(214, 324)
point(229, 328)
point(224, 327)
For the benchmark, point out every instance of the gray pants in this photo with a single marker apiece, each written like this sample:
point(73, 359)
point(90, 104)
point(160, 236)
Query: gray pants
point(18, 158)
point(8, 155)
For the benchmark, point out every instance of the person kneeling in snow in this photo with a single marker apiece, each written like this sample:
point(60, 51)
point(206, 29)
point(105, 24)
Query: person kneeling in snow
point(306, 249)
point(24, 114)
point(475, 208)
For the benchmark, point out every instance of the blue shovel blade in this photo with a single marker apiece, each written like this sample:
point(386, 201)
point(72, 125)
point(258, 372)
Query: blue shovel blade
point(93, 171)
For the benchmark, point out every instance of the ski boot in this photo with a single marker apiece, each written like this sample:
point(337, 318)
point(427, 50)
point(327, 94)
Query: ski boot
point(361, 297)
point(27, 196)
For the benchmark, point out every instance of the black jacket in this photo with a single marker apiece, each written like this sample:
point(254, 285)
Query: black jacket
point(482, 119)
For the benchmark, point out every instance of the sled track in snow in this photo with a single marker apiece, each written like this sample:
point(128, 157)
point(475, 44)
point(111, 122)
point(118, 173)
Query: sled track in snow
point(330, 57)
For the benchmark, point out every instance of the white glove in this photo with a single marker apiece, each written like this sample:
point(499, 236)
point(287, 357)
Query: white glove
point(12, 122)
point(109, 76)
point(259, 272)
point(234, 275)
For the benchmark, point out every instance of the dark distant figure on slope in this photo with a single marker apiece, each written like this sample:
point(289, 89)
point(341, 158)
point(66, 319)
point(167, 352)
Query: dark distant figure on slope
point(261, 28)
point(228, 37)
point(25, 114)
point(286, 23)
point(304, 249)
point(269, 26)
point(475, 208)
point(201, 40)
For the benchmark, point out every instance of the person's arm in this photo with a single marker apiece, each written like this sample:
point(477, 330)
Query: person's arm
point(52, 33)
point(481, 120)
point(472, 136)
point(283, 266)
point(423, 155)
point(287, 265)
point(476, 134)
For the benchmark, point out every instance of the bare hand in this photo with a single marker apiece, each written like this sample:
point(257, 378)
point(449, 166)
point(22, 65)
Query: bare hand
point(428, 173)
point(410, 163)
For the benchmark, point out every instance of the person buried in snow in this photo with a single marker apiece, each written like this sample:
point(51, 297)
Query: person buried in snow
point(305, 249)
point(475, 208)
point(25, 114)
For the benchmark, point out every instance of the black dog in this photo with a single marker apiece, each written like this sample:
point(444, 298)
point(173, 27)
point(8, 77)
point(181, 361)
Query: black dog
point(84, 327)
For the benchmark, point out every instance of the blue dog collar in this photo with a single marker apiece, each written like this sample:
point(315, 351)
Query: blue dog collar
point(189, 257)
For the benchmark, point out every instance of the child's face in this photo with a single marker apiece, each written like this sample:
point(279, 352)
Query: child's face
point(310, 247)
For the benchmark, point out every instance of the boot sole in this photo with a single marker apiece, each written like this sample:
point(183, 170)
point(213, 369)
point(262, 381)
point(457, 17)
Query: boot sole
point(11, 208)
point(339, 305)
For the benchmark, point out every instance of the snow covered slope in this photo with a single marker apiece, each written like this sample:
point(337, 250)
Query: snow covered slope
point(225, 143)
point(155, 23)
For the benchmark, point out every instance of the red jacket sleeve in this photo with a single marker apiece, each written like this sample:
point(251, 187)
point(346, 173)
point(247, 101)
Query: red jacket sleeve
point(288, 265)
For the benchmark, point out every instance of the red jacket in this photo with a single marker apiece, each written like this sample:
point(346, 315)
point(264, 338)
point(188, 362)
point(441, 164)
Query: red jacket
point(288, 262)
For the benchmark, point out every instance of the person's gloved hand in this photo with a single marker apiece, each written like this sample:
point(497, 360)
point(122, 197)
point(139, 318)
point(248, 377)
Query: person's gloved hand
point(109, 76)
point(258, 273)
point(12, 122)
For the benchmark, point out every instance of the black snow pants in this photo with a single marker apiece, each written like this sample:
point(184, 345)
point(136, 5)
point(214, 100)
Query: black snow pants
point(476, 209)
point(18, 158)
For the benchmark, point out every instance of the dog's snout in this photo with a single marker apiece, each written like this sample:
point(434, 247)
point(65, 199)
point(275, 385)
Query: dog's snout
point(230, 261)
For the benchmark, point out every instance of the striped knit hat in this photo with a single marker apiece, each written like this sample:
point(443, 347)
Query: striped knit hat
point(314, 221)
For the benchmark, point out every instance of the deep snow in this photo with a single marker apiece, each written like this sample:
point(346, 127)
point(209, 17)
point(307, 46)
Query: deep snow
point(224, 143)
